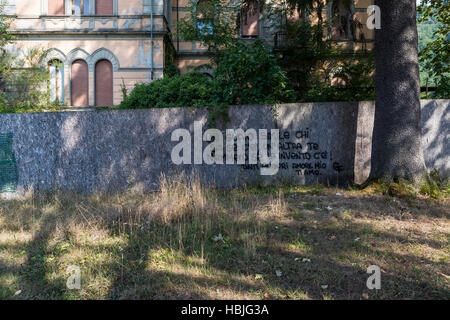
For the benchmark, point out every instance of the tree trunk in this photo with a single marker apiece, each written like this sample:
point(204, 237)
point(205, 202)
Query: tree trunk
point(397, 137)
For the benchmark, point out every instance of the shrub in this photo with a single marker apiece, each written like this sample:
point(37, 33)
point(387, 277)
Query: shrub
point(23, 80)
point(250, 74)
point(189, 90)
point(245, 74)
point(434, 185)
point(25, 84)
point(358, 82)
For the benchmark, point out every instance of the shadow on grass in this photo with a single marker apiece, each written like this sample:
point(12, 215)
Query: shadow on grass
point(182, 259)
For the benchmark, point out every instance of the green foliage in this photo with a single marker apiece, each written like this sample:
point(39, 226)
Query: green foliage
point(189, 90)
point(356, 81)
point(171, 70)
point(123, 89)
point(400, 189)
point(311, 60)
point(5, 38)
point(250, 74)
point(426, 32)
point(245, 74)
point(303, 54)
point(212, 23)
point(26, 84)
point(23, 80)
point(434, 185)
point(435, 53)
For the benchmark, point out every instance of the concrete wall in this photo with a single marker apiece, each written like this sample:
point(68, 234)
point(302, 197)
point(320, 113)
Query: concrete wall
point(117, 150)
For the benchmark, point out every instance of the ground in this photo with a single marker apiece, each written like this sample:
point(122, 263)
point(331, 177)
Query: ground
point(191, 242)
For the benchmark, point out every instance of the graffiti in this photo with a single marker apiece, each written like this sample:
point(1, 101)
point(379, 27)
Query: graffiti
point(300, 155)
point(296, 153)
point(338, 167)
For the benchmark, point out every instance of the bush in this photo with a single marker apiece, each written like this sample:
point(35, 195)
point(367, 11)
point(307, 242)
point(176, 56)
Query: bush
point(189, 90)
point(442, 88)
point(23, 80)
point(355, 72)
point(245, 74)
point(434, 185)
point(25, 84)
point(250, 74)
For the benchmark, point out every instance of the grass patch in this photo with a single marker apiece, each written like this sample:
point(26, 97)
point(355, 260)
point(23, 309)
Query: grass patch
point(191, 242)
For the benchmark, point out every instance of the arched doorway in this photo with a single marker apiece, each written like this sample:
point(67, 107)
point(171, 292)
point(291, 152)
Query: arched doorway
point(104, 83)
point(80, 84)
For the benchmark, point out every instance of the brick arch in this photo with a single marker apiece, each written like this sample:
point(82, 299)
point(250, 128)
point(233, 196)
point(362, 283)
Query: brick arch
point(77, 54)
point(79, 83)
point(52, 54)
point(104, 79)
point(103, 54)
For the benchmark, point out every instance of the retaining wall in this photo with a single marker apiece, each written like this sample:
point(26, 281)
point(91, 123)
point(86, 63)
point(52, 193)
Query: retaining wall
point(123, 149)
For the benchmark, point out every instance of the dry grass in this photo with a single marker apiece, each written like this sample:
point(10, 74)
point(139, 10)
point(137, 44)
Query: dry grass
point(191, 242)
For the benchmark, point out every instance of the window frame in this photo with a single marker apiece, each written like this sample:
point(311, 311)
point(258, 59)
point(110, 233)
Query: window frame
point(243, 16)
point(58, 79)
point(205, 18)
point(345, 30)
point(84, 8)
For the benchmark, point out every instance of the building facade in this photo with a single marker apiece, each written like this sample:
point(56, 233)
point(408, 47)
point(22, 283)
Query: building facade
point(96, 48)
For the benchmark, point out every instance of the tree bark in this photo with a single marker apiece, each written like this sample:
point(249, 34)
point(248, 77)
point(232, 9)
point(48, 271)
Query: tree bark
point(397, 137)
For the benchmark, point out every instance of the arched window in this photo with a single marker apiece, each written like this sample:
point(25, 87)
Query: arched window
point(56, 70)
point(205, 16)
point(80, 84)
point(104, 83)
point(104, 7)
point(250, 19)
point(56, 7)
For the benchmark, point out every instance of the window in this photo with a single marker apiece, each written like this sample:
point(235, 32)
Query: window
point(56, 7)
point(250, 19)
point(80, 7)
point(56, 70)
point(341, 28)
point(205, 26)
point(104, 7)
point(205, 17)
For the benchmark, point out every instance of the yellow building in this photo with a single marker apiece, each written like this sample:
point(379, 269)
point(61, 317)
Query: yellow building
point(94, 47)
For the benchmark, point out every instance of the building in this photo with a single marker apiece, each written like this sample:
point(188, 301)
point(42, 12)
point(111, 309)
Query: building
point(95, 48)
